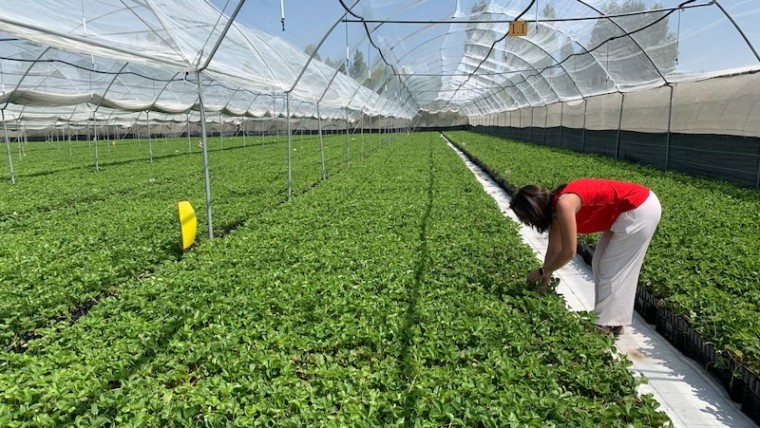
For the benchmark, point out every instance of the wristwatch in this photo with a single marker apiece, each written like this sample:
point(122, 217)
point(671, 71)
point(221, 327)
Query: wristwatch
point(541, 271)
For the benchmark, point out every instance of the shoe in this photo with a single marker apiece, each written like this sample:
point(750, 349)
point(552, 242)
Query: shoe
point(613, 331)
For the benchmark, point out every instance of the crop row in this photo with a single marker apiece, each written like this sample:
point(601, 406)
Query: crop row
point(72, 235)
point(703, 260)
point(391, 295)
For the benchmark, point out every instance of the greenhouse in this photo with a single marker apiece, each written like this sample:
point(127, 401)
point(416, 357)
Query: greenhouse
point(348, 268)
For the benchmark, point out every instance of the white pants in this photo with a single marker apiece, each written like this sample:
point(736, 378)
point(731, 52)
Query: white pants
point(617, 261)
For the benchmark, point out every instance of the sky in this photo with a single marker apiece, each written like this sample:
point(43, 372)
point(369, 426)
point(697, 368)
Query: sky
point(708, 40)
point(306, 21)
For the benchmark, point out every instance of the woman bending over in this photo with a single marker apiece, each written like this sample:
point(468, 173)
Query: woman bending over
point(626, 214)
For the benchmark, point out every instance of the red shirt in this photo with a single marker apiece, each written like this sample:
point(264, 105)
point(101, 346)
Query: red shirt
point(602, 201)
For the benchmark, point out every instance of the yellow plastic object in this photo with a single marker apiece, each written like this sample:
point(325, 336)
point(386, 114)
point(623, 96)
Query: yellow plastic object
point(188, 224)
point(518, 28)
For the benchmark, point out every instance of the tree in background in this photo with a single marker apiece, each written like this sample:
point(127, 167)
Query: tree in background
point(558, 46)
point(622, 57)
point(358, 67)
point(311, 49)
point(373, 78)
point(334, 64)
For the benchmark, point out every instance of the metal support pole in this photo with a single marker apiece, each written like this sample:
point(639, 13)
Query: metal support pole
point(362, 136)
point(670, 122)
point(757, 182)
point(519, 123)
point(561, 123)
point(530, 135)
point(150, 142)
point(8, 148)
point(348, 140)
point(321, 143)
point(290, 165)
point(583, 137)
point(95, 139)
point(221, 131)
point(18, 139)
point(620, 126)
point(189, 144)
point(204, 147)
point(546, 123)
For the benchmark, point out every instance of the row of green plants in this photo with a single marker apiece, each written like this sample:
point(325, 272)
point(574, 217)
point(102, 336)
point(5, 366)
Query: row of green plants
point(703, 260)
point(48, 157)
point(73, 234)
point(393, 294)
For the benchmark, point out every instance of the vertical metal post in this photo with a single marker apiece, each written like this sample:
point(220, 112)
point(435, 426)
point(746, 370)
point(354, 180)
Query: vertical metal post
point(221, 132)
point(150, 142)
point(274, 117)
point(530, 135)
point(95, 137)
point(8, 148)
point(321, 143)
point(519, 124)
point(561, 123)
point(18, 138)
point(261, 130)
point(670, 122)
point(244, 131)
point(204, 146)
point(290, 165)
point(620, 126)
point(189, 144)
point(546, 123)
point(362, 136)
point(757, 182)
point(348, 141)
point(583, 137)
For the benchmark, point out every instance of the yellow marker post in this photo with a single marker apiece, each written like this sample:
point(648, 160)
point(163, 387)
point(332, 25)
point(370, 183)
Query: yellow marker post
point(188, 224)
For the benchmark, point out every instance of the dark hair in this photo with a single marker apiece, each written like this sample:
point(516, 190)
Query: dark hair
point(532, 204)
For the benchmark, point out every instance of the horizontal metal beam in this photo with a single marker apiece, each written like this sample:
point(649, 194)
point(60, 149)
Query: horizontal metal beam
point(507, 21)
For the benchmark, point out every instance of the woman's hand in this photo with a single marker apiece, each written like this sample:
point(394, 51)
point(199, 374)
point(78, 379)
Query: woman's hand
point(535, 276)
point(543, 282)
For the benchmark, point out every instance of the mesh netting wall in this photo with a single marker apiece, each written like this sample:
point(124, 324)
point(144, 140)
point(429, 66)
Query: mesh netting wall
point(602, 122)
point(709, 128)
